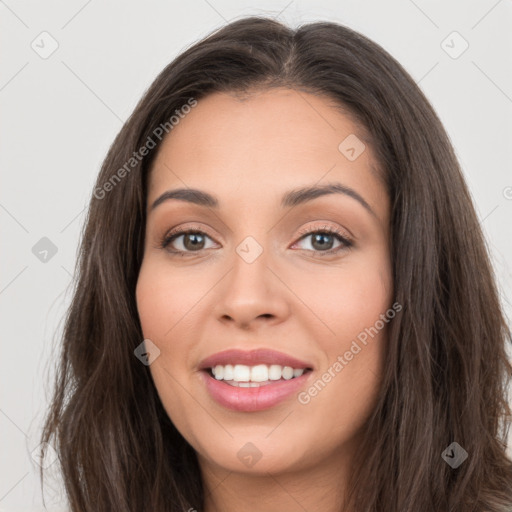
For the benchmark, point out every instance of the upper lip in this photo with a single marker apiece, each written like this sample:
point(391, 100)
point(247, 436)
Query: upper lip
point(252, 358)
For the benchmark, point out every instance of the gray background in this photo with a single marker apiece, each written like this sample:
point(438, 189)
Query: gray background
point(61, 113)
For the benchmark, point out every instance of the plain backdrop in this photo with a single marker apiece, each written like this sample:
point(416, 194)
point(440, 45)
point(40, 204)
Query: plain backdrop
point(61, 111)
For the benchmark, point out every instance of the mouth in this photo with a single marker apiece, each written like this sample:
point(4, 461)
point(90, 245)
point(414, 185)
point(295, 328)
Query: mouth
point(253, 381)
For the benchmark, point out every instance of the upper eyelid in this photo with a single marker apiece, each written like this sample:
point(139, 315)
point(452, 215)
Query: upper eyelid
point(305, 231)
point(328, 228)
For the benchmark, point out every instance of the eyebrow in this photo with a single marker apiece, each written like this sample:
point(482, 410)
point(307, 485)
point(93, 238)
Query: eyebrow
point(290, 199)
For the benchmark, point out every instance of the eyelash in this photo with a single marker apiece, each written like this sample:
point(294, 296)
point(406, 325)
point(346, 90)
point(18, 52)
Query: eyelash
point(173, 235)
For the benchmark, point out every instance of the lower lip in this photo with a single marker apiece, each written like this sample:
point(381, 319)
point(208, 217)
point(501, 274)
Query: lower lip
point(252, 399)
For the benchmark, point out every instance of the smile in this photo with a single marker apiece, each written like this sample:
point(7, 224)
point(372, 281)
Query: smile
point(251, 381)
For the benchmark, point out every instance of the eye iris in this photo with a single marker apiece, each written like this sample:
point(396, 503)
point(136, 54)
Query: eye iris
point(197, 241)
point(320, 237)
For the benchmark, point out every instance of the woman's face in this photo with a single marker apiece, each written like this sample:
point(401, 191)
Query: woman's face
point(251, 278)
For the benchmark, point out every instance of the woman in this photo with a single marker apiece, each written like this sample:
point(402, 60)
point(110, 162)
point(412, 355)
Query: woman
point(284, 298)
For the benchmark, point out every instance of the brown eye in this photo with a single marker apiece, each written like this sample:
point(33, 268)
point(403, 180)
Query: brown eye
point(323, 240)
point(185, 241)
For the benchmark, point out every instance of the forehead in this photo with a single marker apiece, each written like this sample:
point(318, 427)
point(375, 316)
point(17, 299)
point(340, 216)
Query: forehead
point(260, 145)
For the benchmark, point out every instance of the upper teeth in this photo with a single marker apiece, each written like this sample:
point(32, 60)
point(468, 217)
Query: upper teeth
point(259, 373)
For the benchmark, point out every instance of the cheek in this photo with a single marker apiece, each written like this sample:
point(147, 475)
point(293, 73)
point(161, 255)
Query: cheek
point(163, 317)
point(151, 299)
point(352, 310)
point(165, 300)
point(344, 301)
point(162, 304)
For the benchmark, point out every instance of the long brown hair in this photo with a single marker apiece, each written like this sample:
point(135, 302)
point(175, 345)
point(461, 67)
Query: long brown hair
point(446, 371)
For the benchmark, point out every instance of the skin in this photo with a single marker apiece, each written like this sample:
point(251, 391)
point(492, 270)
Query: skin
point(248, 152)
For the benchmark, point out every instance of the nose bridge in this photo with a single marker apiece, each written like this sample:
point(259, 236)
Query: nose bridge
point(251, 289)
point(249, 276)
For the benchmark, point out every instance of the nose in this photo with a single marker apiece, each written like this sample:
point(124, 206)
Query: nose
point(251, 294)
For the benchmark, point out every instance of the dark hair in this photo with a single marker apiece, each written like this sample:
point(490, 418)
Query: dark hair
point(446, 374)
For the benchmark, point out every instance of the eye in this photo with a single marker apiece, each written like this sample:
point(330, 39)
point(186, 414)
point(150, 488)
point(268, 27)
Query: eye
point(184, 241)
point(322, 240)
